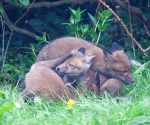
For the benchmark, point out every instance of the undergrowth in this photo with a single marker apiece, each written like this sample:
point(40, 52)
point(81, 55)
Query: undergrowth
point(90, 110)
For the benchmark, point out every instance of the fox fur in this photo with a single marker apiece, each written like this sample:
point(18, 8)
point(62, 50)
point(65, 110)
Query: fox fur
point(115, 65)
point(42, 80)
point(76, 69)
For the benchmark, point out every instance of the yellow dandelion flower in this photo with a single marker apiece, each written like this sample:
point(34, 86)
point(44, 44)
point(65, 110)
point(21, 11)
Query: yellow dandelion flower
point(70, 103)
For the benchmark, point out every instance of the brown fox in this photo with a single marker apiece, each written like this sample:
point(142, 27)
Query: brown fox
point(76, 72)
point(111, 85)
point(75, 67)
point(115, 64)
point(42, 80)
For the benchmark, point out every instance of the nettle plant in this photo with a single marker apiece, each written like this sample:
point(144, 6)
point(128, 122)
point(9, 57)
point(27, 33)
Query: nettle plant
point(75, 26)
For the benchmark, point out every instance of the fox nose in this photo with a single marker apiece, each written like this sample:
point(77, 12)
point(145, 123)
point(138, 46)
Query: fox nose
point(132, 81)
point(57, 68)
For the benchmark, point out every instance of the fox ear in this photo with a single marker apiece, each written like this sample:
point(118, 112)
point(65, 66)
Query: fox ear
point(91, 58)
point(82, 50)
point(116, 47)
point(108, 56)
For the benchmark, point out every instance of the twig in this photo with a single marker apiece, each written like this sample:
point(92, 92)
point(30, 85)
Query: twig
point(24, 13)
point(3, 31)
point(20, 49)
point(1, 35)
point(51, 4)
point(4, 22)
point(4, 58)
point(97, 9)
point(124, 26)
point(134, 10)
point(38, 31)
point(147, 30)
point(12, 30)
point(128, 7)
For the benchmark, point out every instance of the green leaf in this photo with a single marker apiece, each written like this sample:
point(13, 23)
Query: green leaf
point(93, 34)
point(92, 18)
point(14, 2)
point(44, 36)
point(108, 20)
point(24, 2)
point(1, 93)
point(1, 10)
point(72, 19)
point(82, 11)
point(38, 38)
point(85, 28)
point(78, 10)
point(6, 108)
point(100, 16)
point(73, 28)
point(32, 47)
point(73, 11)
point(106, 13)
point(101, 27)
point(77, 19)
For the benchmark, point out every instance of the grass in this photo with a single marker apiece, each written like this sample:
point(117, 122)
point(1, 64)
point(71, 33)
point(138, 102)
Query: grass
point(86, 111)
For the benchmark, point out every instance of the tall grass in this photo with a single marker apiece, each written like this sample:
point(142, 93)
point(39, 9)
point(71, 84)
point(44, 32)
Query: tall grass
point(87, 110)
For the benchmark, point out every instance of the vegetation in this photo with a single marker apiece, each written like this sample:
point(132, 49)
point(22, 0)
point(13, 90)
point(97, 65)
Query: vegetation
point(89, 110)
point(24, 34)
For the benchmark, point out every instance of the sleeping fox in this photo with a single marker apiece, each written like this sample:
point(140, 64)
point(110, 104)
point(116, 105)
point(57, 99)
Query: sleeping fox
point(75, 71)
point(115, 64)
point(42, 80)
point(113, 67)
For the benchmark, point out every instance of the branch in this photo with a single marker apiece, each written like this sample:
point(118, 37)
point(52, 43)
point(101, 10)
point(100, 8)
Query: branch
point(134, 10)
point(17, 29)
point(51, 4)
point(38, 5)
point(12, 28)
point(124, 26)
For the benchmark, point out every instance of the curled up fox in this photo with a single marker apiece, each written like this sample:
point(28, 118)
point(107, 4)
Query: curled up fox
point(42, 80)
point(113, 67)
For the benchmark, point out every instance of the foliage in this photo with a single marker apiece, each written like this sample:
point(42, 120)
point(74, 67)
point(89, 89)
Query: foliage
point(15, 69)
point(83, 30)
point(86, 110)
point(1, 10)
point(41, 39)
point(24, 2)
point(18, 64)
point(101, 30)
point(4, 108)
point(83, 22)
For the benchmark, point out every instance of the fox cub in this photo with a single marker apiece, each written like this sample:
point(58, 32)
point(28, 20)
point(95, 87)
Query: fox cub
point(44, 81)
point(115, 64)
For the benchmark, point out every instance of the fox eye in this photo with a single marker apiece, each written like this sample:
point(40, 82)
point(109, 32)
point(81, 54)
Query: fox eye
point(124, 71)
point(71, 65)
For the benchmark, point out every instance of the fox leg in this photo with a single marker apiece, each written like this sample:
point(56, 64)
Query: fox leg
point(112, 86)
